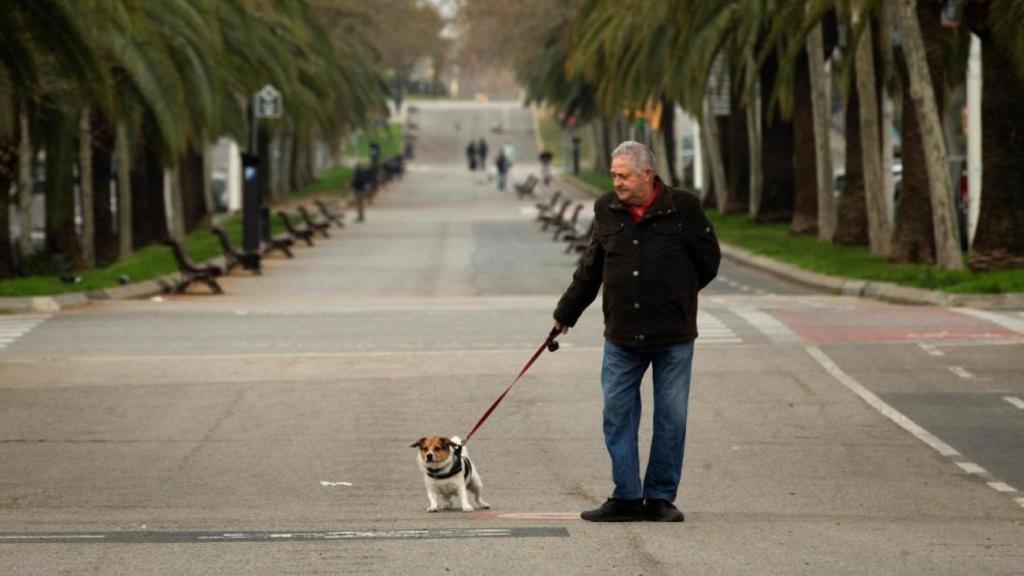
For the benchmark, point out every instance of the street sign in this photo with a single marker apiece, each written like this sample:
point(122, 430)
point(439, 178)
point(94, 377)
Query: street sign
point(267, 102)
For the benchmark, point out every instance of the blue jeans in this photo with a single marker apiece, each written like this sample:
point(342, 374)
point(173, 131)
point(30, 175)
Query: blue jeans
point(621, 372)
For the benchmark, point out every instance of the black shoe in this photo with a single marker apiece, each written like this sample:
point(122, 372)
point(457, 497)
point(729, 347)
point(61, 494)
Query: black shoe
point(614, 510)
point(658, 510)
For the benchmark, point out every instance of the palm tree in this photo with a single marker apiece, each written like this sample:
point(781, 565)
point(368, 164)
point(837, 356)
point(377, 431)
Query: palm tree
point(42, 42)
point(925, 227)
point(998, 243)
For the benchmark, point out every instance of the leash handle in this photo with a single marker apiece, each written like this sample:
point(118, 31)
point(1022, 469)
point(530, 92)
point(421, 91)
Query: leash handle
point(550, 344)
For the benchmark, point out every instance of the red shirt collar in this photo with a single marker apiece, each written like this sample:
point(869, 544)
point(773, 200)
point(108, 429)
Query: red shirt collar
point(639, 212)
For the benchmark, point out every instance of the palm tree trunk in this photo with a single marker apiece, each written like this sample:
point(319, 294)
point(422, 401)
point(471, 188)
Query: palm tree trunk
point(913, 240)
point(190, 180)
point(26, 161)
point(852, 212)
point(208, 204)
point(104, 240)
point(777, 158)
point(149, 217)
point(289, 164)
point(754, 141)
point(61, 235)
point(737, 152)
point(998, 242)
point(885, 70)
point(607, 144)
point(820, 109)
point(85, 179)
point(709, 134)
point(878, 221)
point(927, 106)
point(8, 161)
point(124, 191)
point(805, 166)
point(174, 206)
point(668, 131)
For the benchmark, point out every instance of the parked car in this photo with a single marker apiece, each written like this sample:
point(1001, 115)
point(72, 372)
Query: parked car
point(839, 181)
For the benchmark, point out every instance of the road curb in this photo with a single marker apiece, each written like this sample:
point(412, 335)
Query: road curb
point(884, 291)
point(58, 302)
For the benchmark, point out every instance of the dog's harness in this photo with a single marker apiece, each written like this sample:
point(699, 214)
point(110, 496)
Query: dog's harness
point(456, 468)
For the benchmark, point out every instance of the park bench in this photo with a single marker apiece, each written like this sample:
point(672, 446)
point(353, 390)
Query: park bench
point(191, 272)
point(232, 256)
point(567, 225)
point(305, 234)
point(526, 187)
point(577, 240)
point(545, 209)
point(320, 227)
point(337, 218)
point(394, 167)
point(282, 242)
point(555, 216)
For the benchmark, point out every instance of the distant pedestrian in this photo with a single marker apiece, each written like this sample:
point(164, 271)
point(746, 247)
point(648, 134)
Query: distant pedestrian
point(653, 249)
point(545, 165)
point(471, 154)
point(502, 165)
point(510, 152)
point(481, 150)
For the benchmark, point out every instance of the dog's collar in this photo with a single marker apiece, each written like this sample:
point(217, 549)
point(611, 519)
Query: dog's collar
point(456, 468)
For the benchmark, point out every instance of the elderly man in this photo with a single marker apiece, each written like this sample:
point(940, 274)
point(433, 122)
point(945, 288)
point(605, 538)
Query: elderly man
point(652, 249)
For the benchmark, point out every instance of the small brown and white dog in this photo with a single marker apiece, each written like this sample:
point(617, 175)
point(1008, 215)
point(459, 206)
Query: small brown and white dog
point(448, 473)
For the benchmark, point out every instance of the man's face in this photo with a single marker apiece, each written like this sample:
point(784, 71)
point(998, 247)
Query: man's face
point(631, 186)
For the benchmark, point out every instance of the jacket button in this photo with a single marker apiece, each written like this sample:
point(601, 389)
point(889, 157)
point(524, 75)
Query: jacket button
point(640, 337)
point(636, 242)
point(636, 305)
point(636, 272)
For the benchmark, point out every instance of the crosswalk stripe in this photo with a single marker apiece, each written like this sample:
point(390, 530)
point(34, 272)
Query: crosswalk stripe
point(713, 331)
point(14, 327)
point(766, 324)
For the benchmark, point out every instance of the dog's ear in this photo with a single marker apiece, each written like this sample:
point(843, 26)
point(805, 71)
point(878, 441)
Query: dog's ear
point(418, 443)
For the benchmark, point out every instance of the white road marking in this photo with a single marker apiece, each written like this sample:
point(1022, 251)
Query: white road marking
point(931, 350)
point(327, 483)
point(1005, 320)
point(766, 324)
point(53, 537)
point(1015, 401)
point(880, 405)
point(713, 331)
point(1019, 501)
point(971, 468)
point(14, 327)
point(1002, 487)
point(961, 372)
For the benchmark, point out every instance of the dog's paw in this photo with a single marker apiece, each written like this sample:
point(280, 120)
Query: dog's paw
point(484, 506)
point(467, 508)
point(432, 509)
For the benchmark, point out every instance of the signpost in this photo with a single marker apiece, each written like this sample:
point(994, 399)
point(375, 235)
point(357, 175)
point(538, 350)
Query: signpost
point(266, 103)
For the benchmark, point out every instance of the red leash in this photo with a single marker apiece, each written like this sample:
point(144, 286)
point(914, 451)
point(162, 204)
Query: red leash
point(551, 345)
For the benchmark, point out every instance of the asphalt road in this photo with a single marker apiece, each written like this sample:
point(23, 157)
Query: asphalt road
point(267, 431)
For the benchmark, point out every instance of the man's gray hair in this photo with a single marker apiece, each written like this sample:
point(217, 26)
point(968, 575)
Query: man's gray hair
point(641, 156)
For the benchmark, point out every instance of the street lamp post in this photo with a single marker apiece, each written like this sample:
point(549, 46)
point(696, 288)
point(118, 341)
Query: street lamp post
point(266, 103)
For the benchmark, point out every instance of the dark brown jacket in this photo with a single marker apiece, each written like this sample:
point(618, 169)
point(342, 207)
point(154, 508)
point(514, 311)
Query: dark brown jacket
point(651, 270)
